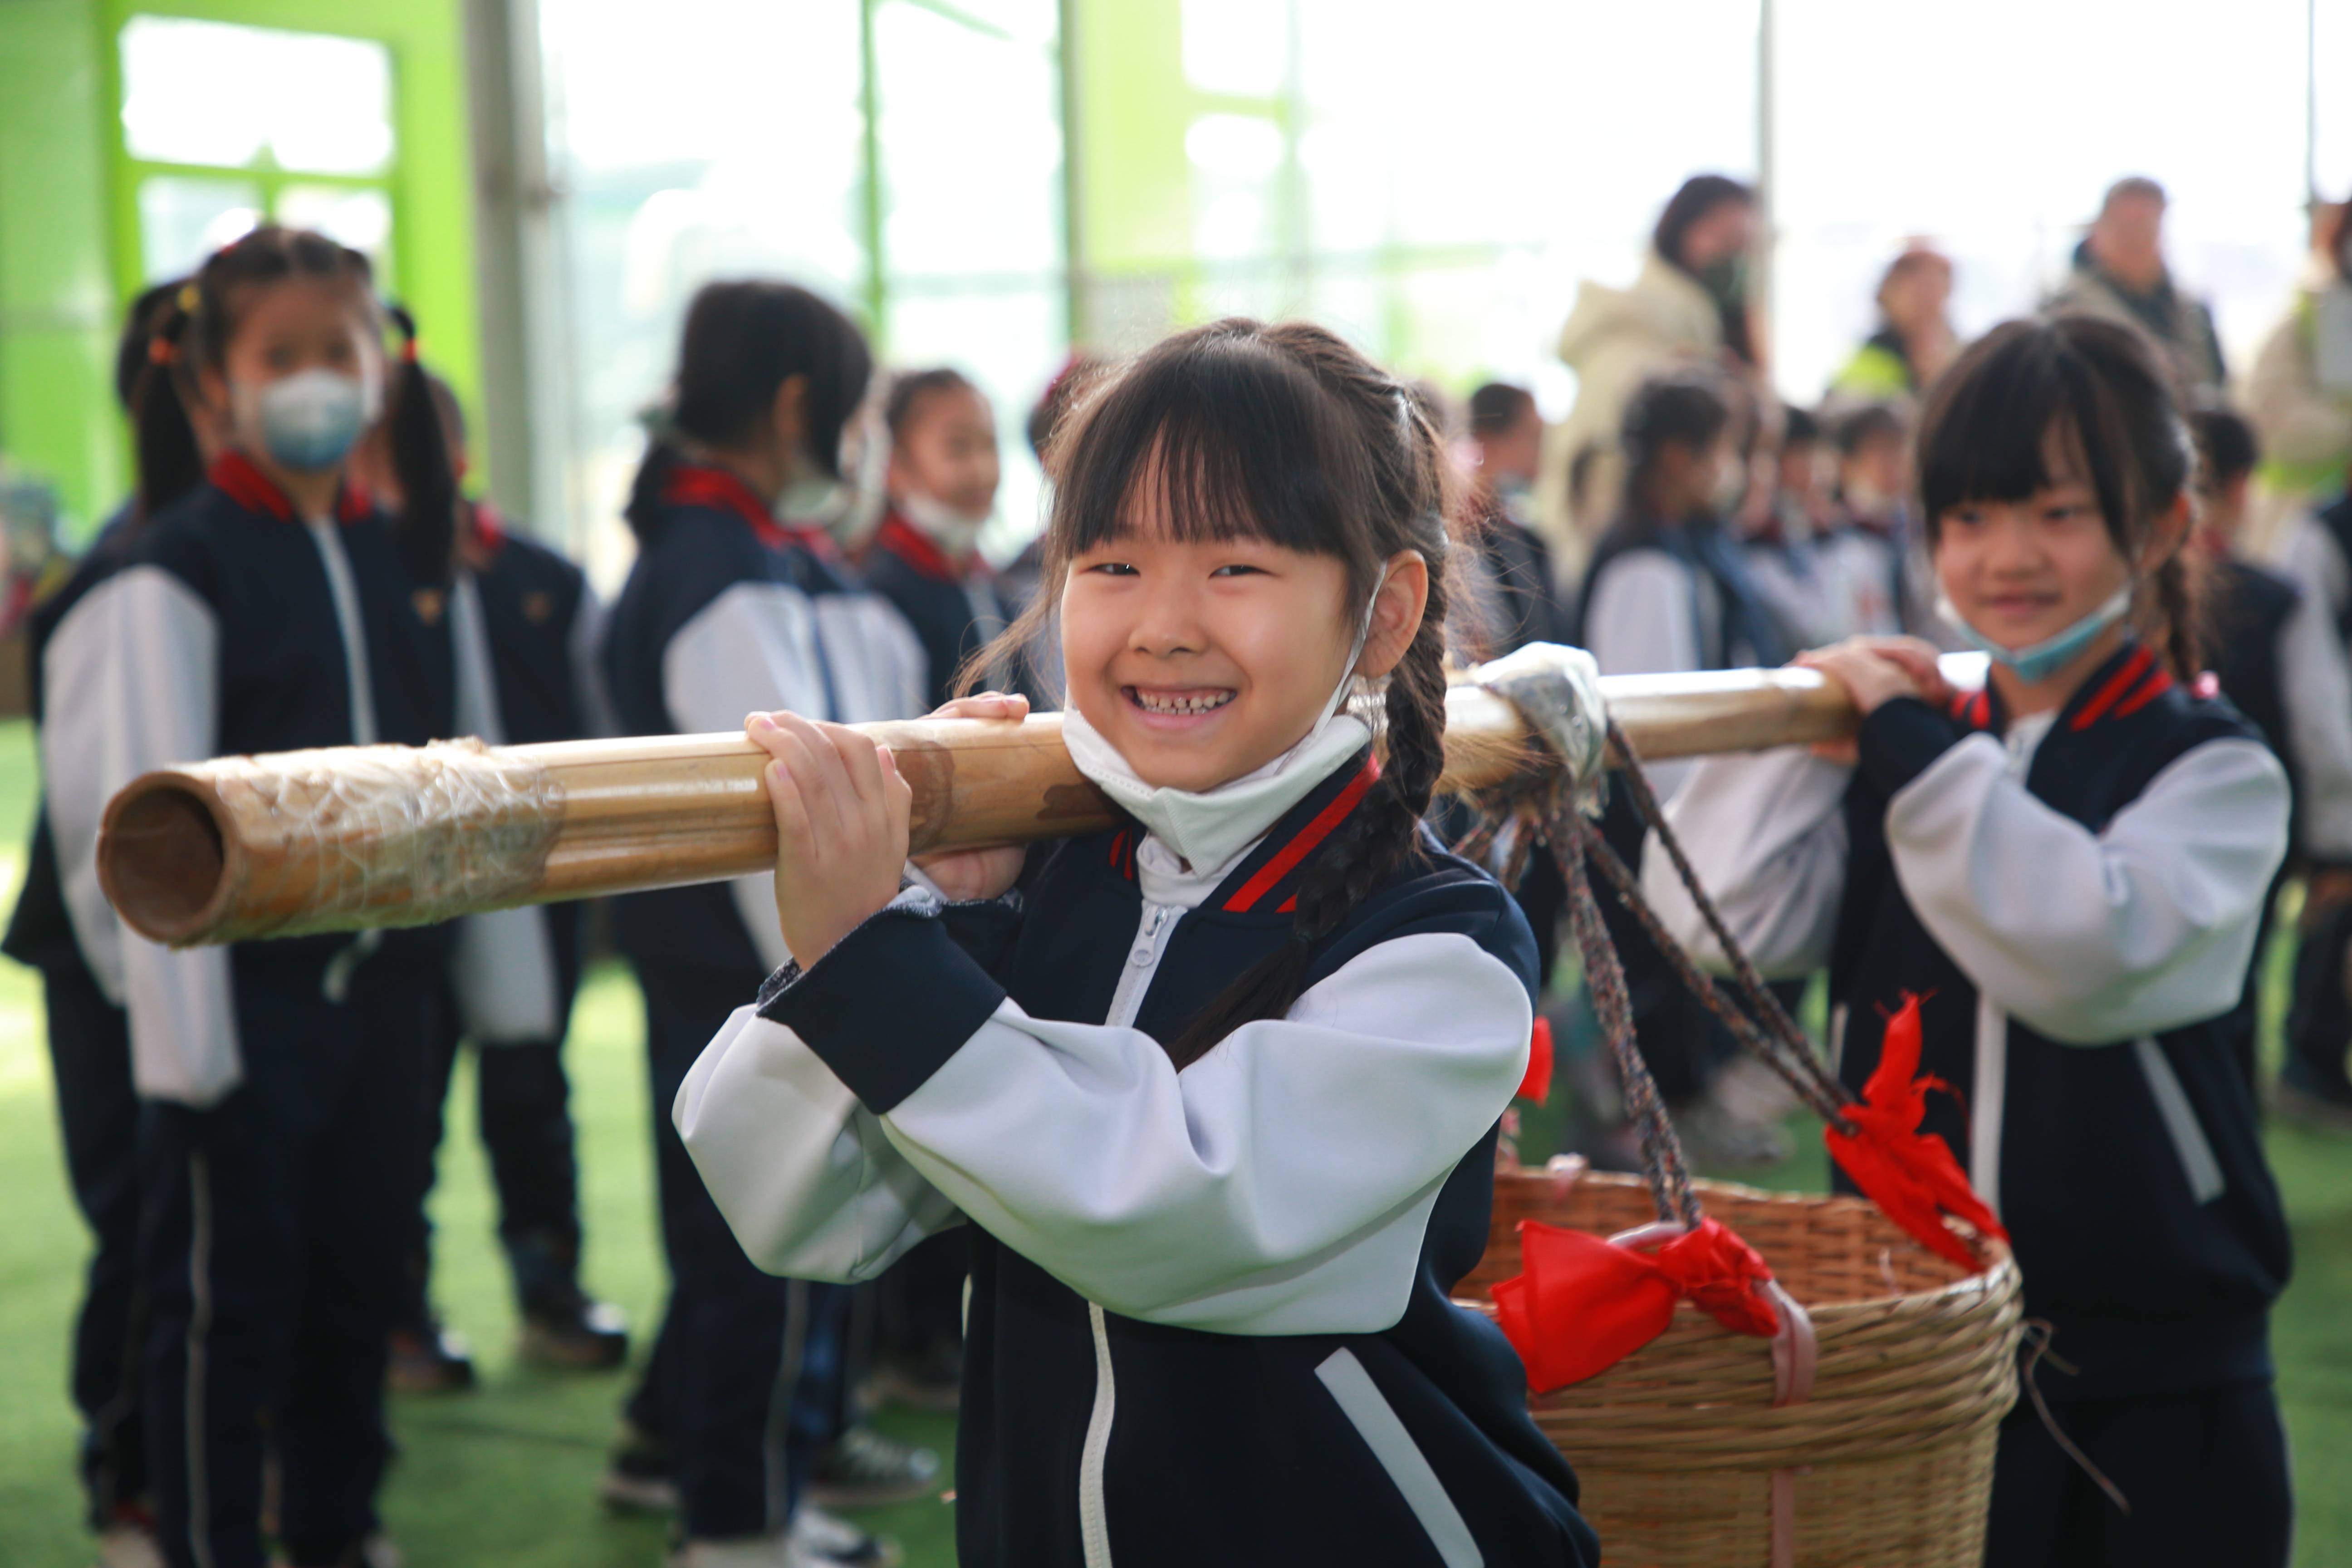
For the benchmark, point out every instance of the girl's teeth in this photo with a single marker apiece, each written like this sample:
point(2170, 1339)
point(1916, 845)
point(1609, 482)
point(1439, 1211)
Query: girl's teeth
point(1201, 704)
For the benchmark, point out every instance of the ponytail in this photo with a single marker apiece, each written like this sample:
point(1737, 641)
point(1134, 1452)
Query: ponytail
point(170, 462)
point(644, 510)
point(420, 462)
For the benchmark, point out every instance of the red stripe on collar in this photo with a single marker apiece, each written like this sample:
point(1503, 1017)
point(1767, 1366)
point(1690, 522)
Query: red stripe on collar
point(2146, 694)
point(917, 549)
point(695, 484)
point(489, 528)
point(235, 475)
point(2118, 684)
point(1307, 838)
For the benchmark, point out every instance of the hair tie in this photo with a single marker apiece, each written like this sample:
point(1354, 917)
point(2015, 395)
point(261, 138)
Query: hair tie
point(189, 298)
point(408, 351)
point(162, 350)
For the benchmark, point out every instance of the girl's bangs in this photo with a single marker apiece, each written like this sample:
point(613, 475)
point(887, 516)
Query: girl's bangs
point(2026, 416)
point(1222, 441)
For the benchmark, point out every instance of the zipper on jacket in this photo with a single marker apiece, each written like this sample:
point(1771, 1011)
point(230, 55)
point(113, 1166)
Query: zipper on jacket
point(1143, 955)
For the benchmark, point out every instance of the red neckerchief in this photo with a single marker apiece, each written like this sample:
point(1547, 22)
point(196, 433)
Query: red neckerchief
point(922, 551)
point(696, 484)
point(234, 476)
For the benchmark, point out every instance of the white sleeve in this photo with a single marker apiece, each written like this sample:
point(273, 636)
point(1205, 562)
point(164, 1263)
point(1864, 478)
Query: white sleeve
point(2095, 938)
point(585, 645)
point(807, 1181)
point(1767, 835)
point(2318, 691)
point(752, 650)
point(135, 687)
point(1642, 620)
point(2312, 559)
point(1281, 1184)
point(880, 669)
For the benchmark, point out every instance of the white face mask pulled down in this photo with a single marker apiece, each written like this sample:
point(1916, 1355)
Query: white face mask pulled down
point(957, 533)
point(1208, 827)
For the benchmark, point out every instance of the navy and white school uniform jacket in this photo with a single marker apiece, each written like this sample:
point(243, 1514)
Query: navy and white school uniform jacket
point(1208, 1319)
point(727, 613)
point(43, 931)
point(526, 630)
point(234, 626)
point(2282, 663)
point(955, 610)
point(2074, 898)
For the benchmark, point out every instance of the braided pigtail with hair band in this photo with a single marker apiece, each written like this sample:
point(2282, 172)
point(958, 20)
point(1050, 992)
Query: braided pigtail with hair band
point(420, 459)
point(170, 462)
point(1384, 830)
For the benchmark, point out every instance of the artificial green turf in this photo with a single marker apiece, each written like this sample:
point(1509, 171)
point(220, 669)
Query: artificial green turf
point(502, 1478)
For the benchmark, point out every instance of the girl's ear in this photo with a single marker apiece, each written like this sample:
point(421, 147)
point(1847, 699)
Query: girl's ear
point(1397, 610)
point(213, 387)
point(788, 419)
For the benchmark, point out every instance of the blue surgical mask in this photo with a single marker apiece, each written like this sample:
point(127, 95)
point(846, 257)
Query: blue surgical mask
point(307, 421)
point(2038, 661)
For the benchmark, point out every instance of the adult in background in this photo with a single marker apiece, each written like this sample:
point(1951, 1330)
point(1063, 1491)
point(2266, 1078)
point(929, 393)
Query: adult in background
point(1690, 302)
point(2299, 392)
point(1914, 340)
point(2120, 273)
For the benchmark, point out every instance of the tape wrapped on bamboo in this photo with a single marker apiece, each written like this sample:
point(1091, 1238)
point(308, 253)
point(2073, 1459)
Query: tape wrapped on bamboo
point(245, 847)
point(1889, 1460)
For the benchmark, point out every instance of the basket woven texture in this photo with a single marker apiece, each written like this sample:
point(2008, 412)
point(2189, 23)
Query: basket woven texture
point(1676, 1444)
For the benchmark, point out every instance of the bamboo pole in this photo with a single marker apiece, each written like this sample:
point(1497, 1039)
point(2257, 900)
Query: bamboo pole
point(244, 848)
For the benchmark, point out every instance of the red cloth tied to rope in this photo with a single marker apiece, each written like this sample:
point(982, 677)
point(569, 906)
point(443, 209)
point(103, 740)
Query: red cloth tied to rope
point(1910, 1176)
point(1579, 1305)
point(1537, 1084)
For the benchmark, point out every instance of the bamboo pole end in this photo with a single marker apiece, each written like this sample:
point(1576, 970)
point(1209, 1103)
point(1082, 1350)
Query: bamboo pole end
point(165, 857)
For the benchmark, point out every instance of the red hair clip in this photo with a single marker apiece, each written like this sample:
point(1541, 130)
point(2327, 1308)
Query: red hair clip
point(162, 350)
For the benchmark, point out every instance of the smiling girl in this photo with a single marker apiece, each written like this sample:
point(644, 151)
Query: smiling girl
point(1217, 1090)
point(2067, 868)
point(269, 607)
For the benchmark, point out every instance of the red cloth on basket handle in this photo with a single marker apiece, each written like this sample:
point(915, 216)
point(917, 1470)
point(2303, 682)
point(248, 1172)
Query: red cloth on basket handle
point(1910, 1176)
point(1579, 1305)
point(1537, 1084)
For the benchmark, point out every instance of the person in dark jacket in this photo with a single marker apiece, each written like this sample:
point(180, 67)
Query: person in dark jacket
point(90, 1035)
point(2066, 869)
point(1219, 1095)
point(2120, 272)
point(926, 557)
point(525, 629)
point(270, 607)
point(2279, 659)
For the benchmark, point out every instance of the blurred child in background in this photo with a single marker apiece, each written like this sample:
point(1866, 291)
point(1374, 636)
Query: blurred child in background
point(525, 629)
point(926, 560)
point(2281, 662)
point(1511, 584)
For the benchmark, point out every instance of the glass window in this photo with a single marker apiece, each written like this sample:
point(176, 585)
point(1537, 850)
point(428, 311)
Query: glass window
point(213, 93)
point(360, 218)
point(184, 218)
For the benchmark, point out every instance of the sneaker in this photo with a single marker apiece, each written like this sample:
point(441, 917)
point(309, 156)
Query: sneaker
point(579, 1332)
point(430, 1359)
point(829, 1539)
point(639, 1478)
point(743, 1552)
point(862, 1467)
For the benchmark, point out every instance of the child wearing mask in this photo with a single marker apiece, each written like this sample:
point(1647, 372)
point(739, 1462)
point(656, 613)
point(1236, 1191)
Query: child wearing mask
point(730, 610)
point(80, 961)
point(1515, 594)
point(926, 559)
point(525, 629)
point(1667, 591)
point(1876, 537)
point(2066, 869)
point(269, 607)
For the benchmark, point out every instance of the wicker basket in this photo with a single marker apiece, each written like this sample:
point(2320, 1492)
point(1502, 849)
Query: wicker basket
point(1677, 1446)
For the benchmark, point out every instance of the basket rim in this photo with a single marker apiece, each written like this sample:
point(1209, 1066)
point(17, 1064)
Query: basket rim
point(1999, 1274)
